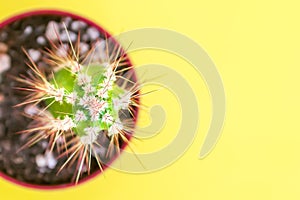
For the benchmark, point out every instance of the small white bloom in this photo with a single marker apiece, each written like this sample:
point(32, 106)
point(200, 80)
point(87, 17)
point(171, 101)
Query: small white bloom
point(59, 95)
point(85, 101)
point(103, 93)
point(107, 84)
point(113, 78)
point(71, 98)
point(65, 124)
point(98, 104)
point(123, 101)
point(94, 115)
point(93, 101)
point(83, 79)
point(88, 88)
point(117, 103)
point(96, 107)
point(102, 106)
point(115, 128)
point(92, 130)
point(106, 64)
point(73, 65)
point(90, 136)
point(80, 116)
point(109, 72)
point(107, 118)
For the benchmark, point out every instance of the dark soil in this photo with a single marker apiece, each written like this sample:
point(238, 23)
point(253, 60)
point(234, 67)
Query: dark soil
point(22, 165)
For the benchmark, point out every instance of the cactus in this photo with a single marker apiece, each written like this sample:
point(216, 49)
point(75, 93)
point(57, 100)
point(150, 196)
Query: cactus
point(81, 99)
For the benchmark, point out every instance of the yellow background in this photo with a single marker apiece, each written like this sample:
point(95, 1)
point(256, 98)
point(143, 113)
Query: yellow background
point(256, 48)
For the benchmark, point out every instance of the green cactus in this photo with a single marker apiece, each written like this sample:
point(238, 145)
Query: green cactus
point(91, 96)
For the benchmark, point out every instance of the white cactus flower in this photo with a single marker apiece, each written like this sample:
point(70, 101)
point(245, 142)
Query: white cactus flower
point(74, 66)
point(94, 115)
point(71, 98)
point(115, 128)
point(88, 88)
point(83, 78)
point(96, 107)
point(103, 93)
point(106, 64)
point(117, 103)
point(107, 118)
point(107, 84)
point(59, 95)
point(123, 101)
point(80, 116)
point(90, 136)
point(65, 124)
point(85, 101)
point(109, 72)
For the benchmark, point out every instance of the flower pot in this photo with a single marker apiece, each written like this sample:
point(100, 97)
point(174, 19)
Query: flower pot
point(34, 166)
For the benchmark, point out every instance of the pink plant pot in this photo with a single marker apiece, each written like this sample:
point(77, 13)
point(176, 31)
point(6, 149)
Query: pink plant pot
point(102, 31)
